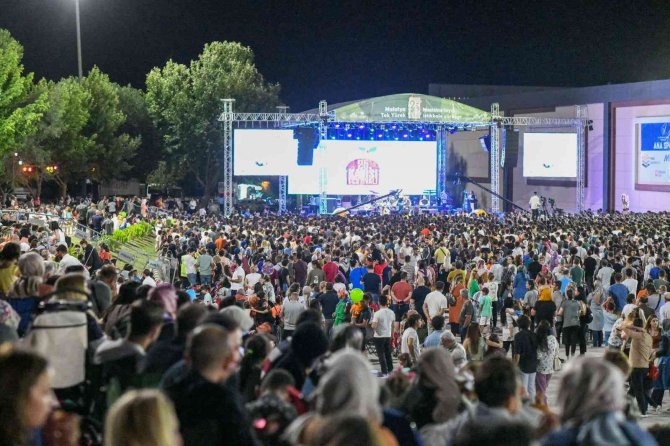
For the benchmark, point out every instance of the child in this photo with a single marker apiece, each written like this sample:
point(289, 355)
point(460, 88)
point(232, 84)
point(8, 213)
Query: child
point(206, 297)
point(404, 362)
point(610, 317)
point(340, 309)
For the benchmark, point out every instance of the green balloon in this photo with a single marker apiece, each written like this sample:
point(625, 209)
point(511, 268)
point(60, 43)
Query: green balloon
point(356, 295)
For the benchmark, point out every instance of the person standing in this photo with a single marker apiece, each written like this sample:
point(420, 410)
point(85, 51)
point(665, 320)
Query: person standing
point(382, 324)
point(485, 311)
point(640, 356)
point(189, 262)
point(372, 283)
point(328, 301)
point(595, 302)
point(525, 355)
point(410, 338)
point(435, 305)
point(570, 312)
point(534, 204)
point(467, 314)
point(289, 314)
point(547, 349)
point(205, 264)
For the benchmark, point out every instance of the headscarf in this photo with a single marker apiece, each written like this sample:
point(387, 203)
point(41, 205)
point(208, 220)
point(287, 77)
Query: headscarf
point(348, 387)
point(590, 387)
point(436, 372)
point(8, 316)
point(665, 326)
point(166, 295)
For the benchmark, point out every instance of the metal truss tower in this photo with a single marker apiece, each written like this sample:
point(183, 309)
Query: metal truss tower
point(581, 115)
point(495, 157)
point(227, 119)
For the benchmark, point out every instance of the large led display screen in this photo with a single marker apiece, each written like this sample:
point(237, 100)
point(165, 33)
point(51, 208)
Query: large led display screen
point(550, 155)
point(653, 151)
point(264, 152)
point(368, 167)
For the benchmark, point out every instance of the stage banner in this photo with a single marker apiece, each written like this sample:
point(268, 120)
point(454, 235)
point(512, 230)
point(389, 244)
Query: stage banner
point(410, 107)
point(653, 154)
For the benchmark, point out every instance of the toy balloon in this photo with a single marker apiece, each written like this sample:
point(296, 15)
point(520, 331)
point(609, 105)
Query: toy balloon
point(356, 295)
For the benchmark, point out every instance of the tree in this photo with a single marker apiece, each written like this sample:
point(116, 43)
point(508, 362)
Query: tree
point(21, 106)
point(60, 140)
point(139, 123)
point(113, 149)
point(80, 133)
point(185, 103)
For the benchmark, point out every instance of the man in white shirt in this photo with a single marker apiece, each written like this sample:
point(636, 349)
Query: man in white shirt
point(630, 283)
point(382, 324)
point(534, 204)
point(65, 260)
point(237, 278)
point(189, 265)
point(664, 312)
point(435, 304)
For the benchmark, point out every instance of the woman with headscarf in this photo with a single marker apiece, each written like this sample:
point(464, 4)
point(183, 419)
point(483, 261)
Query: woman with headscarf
point(595, 301)
point(31, 269)
point(662, 382)
point(545, 308)
point(519, 283)
point(347, 387)
point(591, 401)
point(166, 295)
point(9, 322)
point(435, 397)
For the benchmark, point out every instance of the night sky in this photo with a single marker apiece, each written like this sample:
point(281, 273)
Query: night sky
point(345, 50)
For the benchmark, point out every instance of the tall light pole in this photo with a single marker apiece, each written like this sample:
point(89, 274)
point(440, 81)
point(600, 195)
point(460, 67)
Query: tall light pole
point(76, 3)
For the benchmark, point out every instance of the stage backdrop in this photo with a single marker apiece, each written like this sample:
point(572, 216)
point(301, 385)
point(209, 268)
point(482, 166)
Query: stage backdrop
point(652, 137)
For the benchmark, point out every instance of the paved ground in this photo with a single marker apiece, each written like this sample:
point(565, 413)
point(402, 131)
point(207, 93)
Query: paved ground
point(653, 419)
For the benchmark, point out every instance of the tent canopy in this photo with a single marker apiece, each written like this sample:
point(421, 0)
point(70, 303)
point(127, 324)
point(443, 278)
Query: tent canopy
point(410, 107)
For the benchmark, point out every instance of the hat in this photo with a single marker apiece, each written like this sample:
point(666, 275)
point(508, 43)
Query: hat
point(240, 316)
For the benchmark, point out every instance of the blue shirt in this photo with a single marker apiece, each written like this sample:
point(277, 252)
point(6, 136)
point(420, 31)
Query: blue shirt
point(433, 339)
point(619, 292)
point(355, 276)
point(565, 281)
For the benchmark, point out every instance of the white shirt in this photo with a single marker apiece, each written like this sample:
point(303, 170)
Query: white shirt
point(404, 348)
point(189, 263)
point(149, 281)
point(435, 302)
point(384, 319)
point(627, 309)
point(534, 202)
point(68, 261)
point(237, 274)
point(664, 312)
point(631, 284)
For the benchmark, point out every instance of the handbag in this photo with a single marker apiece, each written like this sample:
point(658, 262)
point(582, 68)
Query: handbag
point(558, 364)
point(654, 372)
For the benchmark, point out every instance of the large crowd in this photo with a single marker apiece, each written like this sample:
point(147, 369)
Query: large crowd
point(352, 330)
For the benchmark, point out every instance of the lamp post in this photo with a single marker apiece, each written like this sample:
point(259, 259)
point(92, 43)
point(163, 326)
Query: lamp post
point(76, 3)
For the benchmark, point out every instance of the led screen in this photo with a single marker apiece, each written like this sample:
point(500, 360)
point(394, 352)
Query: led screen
point(367, 167)
point(550, 155)
point(264, 152)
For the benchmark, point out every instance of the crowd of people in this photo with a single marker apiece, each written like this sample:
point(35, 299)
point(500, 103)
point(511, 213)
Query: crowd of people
point(355, 330)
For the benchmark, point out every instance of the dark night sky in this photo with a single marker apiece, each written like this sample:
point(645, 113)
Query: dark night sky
point(345, 50)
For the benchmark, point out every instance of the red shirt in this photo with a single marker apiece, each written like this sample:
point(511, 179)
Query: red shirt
point(402, 291)
point(331, 269)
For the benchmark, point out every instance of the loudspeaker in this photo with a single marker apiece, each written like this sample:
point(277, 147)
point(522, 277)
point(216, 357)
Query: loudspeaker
point(308, 140)
point(511, 148)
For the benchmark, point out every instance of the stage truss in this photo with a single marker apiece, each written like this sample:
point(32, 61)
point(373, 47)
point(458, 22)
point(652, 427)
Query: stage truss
point(321, 120)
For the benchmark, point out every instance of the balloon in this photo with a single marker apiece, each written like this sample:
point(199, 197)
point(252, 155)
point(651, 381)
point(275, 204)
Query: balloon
point(356, 295)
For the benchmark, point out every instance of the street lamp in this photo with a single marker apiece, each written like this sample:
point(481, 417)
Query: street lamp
point(76, 3)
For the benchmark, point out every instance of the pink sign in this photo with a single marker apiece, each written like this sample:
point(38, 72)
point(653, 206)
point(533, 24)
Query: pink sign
point(362, 172)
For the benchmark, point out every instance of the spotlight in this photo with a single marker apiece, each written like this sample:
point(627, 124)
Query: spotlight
point(349, 135)
point(361, 126)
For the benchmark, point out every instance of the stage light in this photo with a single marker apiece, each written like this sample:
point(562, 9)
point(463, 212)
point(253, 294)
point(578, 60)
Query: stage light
point(349, 135)
point(590, 124)
point(380, 135)
point(405, 135)
point(337, 126)
point(361, 126)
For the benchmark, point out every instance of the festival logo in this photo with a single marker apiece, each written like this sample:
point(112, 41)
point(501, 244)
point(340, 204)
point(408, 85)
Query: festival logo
point(362, 172)
point(414, 107)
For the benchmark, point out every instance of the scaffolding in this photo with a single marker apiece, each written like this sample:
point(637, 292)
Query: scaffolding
point(497, 126)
